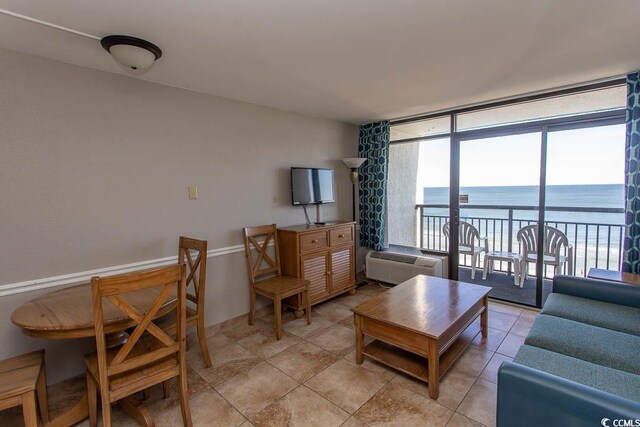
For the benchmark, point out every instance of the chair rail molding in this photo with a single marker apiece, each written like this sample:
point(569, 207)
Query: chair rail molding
point(85, 276)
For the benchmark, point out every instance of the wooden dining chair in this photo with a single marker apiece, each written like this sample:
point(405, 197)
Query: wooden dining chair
point(22, 379)
point(150, 356)
point(193, 253)
point(265, 274)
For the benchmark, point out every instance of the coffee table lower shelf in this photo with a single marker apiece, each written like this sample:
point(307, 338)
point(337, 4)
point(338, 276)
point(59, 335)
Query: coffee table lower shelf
point(415, 365)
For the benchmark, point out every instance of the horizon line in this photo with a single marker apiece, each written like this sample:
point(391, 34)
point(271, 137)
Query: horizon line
point(531, 185)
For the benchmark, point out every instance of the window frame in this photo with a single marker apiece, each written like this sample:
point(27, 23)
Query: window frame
point(510, 128)
point(543, 126)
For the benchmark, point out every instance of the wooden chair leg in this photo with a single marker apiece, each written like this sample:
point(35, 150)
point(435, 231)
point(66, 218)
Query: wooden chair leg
point(184, 397)
point(29, 409)
point(166, 389)
point(146, 394)
point(106, 410)
point(92, 400)
point(277, 307)
point(202, 339)
point(41, 390)
point(252, 306)
point(308, 300)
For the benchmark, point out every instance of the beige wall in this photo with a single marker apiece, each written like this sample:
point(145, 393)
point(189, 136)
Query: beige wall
point(95, 168)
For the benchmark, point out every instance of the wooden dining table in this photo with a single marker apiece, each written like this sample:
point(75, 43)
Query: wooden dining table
point(68, 314)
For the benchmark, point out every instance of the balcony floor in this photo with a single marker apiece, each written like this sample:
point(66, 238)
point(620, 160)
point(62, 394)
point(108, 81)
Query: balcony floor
point(500, 282)
point(503, 287)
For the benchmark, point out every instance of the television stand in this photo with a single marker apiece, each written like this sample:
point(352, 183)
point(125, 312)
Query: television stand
point(322, 254)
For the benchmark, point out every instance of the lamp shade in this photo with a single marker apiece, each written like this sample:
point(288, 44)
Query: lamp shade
point(132, 53)
point(354, 162)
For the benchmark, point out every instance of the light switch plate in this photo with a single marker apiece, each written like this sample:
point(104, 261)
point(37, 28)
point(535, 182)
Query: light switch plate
point(193, 193)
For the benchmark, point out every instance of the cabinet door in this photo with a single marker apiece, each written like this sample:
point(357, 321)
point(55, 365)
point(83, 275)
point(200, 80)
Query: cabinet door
point(315, 269)
point(342, 276)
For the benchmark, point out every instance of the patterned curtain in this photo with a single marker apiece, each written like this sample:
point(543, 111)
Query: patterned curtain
point(631, 261)
point(374, 146)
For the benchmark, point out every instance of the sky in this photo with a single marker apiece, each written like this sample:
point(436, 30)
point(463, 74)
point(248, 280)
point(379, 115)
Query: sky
point(574, 157)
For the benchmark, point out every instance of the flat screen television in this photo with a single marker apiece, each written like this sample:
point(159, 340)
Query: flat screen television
point(311, 186)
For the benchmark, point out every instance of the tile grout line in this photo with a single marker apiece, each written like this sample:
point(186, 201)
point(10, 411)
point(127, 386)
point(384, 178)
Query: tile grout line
point(210, 387)
point(302, 384)
point(471, 419)
point(299, 383)
point(231, 404)
point(338, 358)
point(225, 399)
point(278, 400)
point(261, 360)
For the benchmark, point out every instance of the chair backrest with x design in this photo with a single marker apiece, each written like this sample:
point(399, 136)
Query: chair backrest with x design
point(165, 283)
point(259, 239)
point(193, 254)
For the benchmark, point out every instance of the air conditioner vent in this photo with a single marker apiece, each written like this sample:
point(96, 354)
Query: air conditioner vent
point(407, 259)
point(395, 268)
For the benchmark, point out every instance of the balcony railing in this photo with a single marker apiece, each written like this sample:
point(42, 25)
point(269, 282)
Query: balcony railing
point(595, 244)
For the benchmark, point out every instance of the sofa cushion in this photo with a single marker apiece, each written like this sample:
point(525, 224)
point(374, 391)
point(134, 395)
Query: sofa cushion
point(590, 343)
point(603, 314)
point(601, 290)
point(620, 383)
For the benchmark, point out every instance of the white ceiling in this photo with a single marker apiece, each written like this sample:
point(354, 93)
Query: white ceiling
point(351, 60)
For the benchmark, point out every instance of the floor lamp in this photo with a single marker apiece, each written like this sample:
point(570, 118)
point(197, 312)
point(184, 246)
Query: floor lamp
point(354, 164)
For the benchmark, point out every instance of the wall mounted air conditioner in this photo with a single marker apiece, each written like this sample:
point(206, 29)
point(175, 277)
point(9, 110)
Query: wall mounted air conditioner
point(395, 268)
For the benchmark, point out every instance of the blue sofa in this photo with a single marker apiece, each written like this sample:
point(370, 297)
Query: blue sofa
point(580, 362)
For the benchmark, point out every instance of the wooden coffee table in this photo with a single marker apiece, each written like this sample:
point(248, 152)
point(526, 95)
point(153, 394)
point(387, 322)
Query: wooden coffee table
point(421, 326)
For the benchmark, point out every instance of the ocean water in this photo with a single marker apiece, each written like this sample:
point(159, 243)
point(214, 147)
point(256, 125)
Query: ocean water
point(592, 196)
point(596, 237)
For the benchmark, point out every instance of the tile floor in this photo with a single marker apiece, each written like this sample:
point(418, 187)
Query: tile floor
point(309, 378)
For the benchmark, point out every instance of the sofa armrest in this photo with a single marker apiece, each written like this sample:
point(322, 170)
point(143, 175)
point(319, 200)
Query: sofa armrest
point(601, 290)
point(528, 397)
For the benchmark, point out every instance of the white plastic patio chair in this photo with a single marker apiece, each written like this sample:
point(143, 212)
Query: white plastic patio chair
point(469, 243)
point(554, 241)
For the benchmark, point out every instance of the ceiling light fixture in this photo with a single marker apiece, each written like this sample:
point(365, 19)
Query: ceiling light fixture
point(134, 54)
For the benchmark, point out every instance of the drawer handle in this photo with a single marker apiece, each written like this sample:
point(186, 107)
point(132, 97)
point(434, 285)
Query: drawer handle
point(341, 235)
point(314, 241)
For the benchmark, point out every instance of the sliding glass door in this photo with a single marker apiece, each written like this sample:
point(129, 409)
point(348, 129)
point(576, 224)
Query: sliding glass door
point(584, 209)
point(514, 192)
point(498, 196)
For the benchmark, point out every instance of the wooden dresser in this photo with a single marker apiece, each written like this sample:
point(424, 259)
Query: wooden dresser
point(322, 254)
